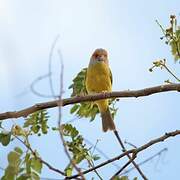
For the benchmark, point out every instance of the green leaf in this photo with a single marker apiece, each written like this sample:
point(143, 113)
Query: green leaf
point(74, 108)
point(9, 174)
point(89, 158)
point(5, 138)
point(13, 168)
point(96, 157)
point(14, 158)
point(124, 178)
point(1, 124)
point(37, 122)
point(24, 177)
point(121, 178)
point(116, 178)
point(173, 47)
point(35, 176)
point(44, 127)
point(35, 128)
point(18, 150)
point(75, 144)
point(29, 121)
point(28, 164)
point(36, 164)
point(74, 133)
point(78, 84)
point(68, 171)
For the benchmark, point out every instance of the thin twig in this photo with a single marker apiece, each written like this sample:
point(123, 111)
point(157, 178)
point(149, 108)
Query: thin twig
point(171, 73)
point(40, 159)
point(122, 94)
point(127, 164)
point(50, 64)
point(102, 153)
point(95, 171)
point(49, 75)
point(91, 163)
point(130, 144)
point(34, 91)
point(162, 29)
point(130, 158)
point(145, 161)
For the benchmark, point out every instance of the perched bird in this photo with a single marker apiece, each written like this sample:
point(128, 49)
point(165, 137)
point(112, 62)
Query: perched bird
point(98, 80)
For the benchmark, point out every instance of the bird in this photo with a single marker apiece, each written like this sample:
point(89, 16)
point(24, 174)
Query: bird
point(99, 80)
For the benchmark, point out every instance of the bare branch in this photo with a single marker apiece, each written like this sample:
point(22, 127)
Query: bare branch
point(145, 161)
point(132, 151)
point(131, 159)
point(40, 159)
point(122, 94)
point(122, 168)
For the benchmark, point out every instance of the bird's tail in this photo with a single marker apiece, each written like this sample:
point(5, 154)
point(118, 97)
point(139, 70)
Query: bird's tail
point(107, 121)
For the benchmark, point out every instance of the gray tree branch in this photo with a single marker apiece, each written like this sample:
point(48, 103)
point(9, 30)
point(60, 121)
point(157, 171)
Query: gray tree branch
point(115, 94)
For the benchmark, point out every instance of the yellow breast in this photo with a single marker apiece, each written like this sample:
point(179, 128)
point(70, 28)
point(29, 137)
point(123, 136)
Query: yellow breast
point(98, 78)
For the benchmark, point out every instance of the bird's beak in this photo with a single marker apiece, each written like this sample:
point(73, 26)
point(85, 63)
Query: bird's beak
point(100, 58)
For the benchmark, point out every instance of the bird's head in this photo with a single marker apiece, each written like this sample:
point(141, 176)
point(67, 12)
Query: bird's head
point(99, 55)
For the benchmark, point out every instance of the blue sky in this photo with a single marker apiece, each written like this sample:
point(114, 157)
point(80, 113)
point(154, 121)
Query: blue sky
point(127, 29)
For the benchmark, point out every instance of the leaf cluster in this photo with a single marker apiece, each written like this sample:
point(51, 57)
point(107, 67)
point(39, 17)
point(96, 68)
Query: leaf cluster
point(22, 167)
point(37, 122)
point(76, 146)
point(172, 36)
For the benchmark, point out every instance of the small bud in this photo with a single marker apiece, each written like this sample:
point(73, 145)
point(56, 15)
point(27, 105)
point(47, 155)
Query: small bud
point(161, 38)
point(150, 69)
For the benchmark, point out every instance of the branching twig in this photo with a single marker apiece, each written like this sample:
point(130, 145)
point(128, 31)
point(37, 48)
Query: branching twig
point(102, 153)
point(50, 64)
point(131, 159)
point(127, 164)
point(122, 94)
point(91, 164)
point(145, 161)
point(134, 151)
point(171, 38)
point(130, 144)
point(40, 159)
point(49, 75)
point(171, 72)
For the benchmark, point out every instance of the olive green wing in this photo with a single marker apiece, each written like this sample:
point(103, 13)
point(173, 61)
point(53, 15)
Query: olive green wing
point(84, 82)
point(111, 77)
